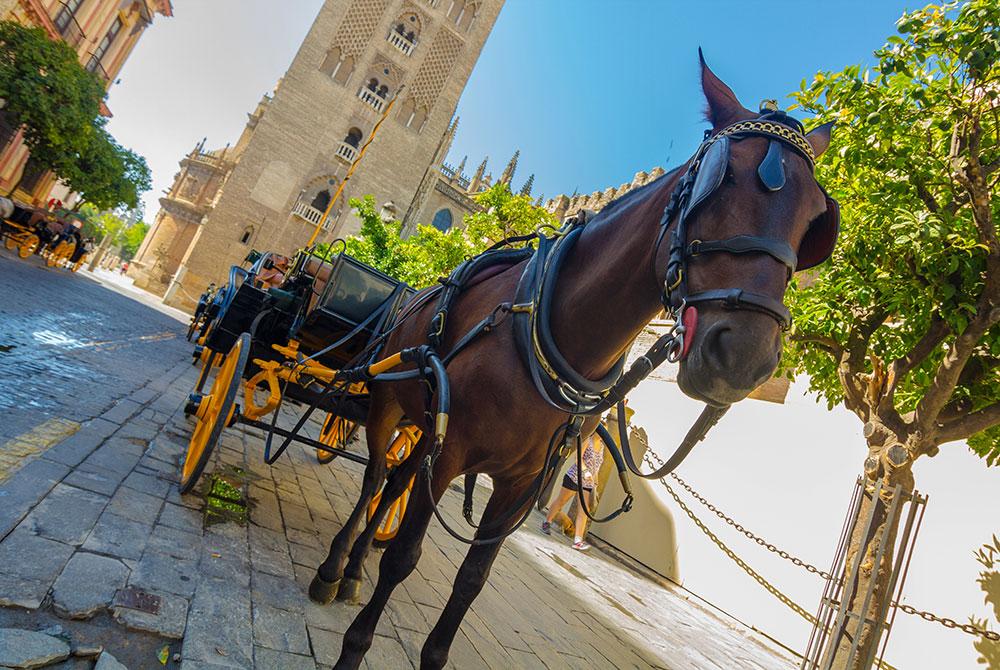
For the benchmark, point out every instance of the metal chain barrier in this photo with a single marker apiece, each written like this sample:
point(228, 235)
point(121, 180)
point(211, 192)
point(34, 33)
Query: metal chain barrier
point(654, 461)
point(756, 538)
point(951, 623)
point(757, 577)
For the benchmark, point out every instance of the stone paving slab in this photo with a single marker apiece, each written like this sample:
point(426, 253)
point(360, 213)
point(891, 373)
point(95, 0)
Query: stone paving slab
point(100, 508)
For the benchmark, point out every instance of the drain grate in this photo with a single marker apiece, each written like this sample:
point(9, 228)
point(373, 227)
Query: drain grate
point(136, 599)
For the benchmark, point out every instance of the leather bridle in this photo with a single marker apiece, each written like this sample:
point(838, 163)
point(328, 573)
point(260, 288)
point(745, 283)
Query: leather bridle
point(704, 175)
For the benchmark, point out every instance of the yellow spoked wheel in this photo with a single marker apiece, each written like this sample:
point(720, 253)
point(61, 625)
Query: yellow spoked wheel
point(213, 412)
point(337, 432)
point(209, 359)
point(77, 265)
point(400, 449)
point(9, 243)
point(57, 255)
point(27, 245)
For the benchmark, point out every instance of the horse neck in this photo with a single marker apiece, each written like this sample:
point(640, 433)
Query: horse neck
point(607, 291)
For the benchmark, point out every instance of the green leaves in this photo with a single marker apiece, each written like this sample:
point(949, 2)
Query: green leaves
point(430, 254)
point(911, 252)
point(57, 102)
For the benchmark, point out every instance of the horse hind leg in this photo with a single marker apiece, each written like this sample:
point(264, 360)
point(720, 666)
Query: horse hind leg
point(383, 417)
point(397, 563)
point(399, 478)
point(474, 571)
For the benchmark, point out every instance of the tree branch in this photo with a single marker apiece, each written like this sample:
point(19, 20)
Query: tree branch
point(927, 197)
point(968, 425)
point(851, 369)
point(925, 346)
point(827, 344)
point(950, 370)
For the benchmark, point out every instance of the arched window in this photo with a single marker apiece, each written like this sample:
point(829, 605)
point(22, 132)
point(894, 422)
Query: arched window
point(463, 13)
point(382, 91)
point(373, 84)
point(442, 220)
point(247, 234)
point(338, 67)
point(353, 137)
point(321, 201)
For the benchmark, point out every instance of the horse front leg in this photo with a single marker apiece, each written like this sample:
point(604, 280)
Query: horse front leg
point(383, 417)
point(398, 480)
point(475, 570)
point(397, 563)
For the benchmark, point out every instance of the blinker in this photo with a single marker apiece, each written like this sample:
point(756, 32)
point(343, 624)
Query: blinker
point(772, 169)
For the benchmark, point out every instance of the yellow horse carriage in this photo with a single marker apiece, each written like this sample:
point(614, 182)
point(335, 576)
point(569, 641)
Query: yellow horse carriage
point(270, 341)
point(19, 226)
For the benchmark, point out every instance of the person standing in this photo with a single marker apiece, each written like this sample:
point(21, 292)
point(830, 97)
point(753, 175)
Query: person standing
point(593, 456)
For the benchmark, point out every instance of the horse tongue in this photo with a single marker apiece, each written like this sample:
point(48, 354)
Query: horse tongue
point(689, 319)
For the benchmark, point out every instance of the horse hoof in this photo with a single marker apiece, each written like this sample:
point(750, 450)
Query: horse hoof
point(349, 591)
point(322, 591)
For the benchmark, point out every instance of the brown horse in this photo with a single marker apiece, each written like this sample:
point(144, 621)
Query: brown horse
point(609, 288)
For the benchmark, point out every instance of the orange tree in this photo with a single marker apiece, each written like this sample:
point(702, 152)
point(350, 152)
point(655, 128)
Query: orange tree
point(422, 258)
point(901, 327)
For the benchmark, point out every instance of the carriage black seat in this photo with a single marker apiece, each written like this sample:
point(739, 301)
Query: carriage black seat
point(237, 317)
point(347, 296)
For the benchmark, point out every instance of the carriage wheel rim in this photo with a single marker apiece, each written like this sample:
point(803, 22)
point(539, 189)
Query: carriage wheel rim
point(393, 516)
point(400, 449)
point(336, 432)
point(216, 415)
point(9, 243)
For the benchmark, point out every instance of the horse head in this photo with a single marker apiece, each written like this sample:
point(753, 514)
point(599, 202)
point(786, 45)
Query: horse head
point(747, 213)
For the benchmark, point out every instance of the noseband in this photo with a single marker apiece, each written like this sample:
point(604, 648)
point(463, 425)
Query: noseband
point(703, 177)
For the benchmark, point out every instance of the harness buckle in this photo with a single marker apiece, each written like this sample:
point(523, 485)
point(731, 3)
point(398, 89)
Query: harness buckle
point(677, 282)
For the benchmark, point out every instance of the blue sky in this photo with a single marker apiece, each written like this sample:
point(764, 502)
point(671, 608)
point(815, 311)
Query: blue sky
point(591, 91)
point(594, 91)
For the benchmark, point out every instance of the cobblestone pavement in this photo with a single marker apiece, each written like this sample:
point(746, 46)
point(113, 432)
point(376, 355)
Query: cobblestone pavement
point(89, 507)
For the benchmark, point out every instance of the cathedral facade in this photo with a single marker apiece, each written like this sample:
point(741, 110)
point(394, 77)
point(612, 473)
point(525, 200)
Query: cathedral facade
point(358, 56)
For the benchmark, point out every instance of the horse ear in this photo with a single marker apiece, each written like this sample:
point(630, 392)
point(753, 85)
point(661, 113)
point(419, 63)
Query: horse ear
point(723, 105)
point(819, 138)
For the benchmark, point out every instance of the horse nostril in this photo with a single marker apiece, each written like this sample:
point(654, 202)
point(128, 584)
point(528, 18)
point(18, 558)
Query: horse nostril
point(716, 347)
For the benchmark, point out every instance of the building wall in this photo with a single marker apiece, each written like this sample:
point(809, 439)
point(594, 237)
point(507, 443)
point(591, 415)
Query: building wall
point(293, 151)
point(183, 209)
point(91, 23)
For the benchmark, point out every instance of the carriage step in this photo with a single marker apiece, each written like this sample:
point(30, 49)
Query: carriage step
point(193, 401)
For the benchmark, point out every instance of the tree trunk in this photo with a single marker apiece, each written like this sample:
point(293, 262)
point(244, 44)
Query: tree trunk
point(99, 252)
point(875, 528)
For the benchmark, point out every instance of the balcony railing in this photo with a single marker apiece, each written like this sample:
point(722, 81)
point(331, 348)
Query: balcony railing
point(400, 42)
point(310, 214)
point(373, 99)
point(67, 25)
point(347, 152)
point(94, 65)
point(72, 33)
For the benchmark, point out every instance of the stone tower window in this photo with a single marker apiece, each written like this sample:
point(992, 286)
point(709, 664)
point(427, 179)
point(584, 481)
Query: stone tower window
point(247, 235)
point(462, 13)
point(412, 115)
point(442, 220)
point(338, 66)
point(353, 137)
point(405, 33)
point(321, 201)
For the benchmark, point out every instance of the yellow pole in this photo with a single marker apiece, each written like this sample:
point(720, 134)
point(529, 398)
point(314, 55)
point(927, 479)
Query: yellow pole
point(350, 171)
